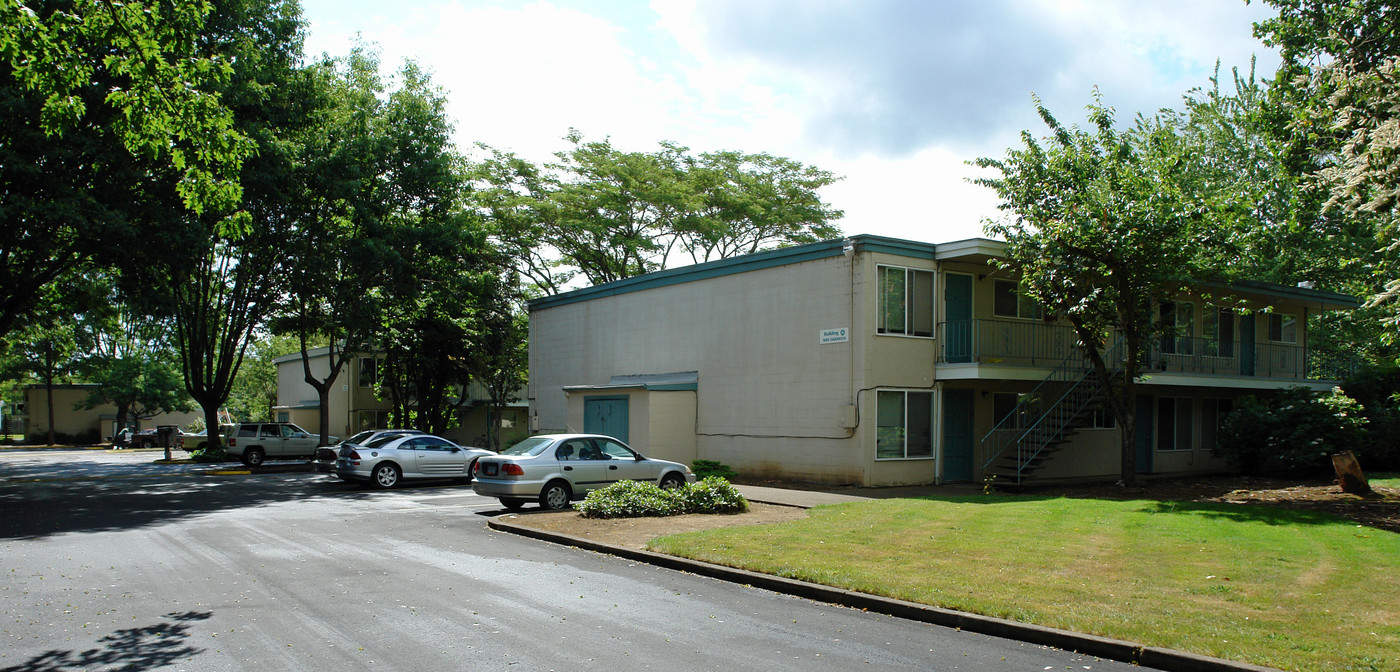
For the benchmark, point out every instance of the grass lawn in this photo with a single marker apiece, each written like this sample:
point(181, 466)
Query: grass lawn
point(1283, 588)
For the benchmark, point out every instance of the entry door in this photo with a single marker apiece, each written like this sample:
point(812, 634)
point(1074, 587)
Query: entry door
point(1247, 344)
point(957, 316)
point(957, 435)
point(606, 416)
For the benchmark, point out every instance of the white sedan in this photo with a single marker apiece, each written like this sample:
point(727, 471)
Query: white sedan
point(389, 459)
point(555, 469)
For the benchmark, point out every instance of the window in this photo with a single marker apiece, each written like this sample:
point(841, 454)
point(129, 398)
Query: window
point(284, 416)
point(1173, 423)
point(369, 371)
point(373, 419)
point(906, 301)
point(1177, 326)
point(1009, 301)
point(1213, 412)
point(1005, 403)
point(904, 427)
point(1283, 328)
point(1218, 332)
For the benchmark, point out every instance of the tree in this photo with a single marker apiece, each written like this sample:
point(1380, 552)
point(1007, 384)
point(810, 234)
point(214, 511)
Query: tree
point(130, 358)
point(501, 353)
point(45, 347)
point(607, 215)
point(1100, 232)
point(221, 277)
point(103, 106)
point(1341, 81)
point(254, 390)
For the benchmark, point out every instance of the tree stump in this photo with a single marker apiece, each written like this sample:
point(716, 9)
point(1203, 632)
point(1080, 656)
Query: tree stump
point(1349, 474)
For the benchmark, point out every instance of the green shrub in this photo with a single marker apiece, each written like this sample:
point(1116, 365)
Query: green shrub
point(635, 499)
point(1377, 389)
point(706, 468)
point(712, 495)
point(210, 454)
point(1294, 430)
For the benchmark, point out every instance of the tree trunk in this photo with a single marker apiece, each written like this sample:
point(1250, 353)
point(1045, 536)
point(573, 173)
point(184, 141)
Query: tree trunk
point(48, 391)
point(1349, 474)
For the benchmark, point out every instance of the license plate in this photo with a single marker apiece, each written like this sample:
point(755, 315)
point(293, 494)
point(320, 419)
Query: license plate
point(490, 468)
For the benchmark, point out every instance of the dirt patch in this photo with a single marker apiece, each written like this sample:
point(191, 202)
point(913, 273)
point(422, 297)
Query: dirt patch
point(636, 532)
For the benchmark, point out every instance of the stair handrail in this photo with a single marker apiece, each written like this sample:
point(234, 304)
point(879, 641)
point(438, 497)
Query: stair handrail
point(1073, 370)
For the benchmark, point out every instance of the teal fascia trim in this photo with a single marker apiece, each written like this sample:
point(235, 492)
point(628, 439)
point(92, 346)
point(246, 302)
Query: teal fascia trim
point(749, 262)
point(679, 387)
point(1291, 293)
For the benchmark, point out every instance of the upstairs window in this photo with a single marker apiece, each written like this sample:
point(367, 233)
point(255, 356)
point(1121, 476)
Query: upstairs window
point(906, 301)
point(1009, 301)
point(369, 371)
point(1178, 321)
point(1218, 332)
point(1283, 328)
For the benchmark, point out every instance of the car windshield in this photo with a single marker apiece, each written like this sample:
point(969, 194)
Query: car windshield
point(531, 446)
point(384, 439)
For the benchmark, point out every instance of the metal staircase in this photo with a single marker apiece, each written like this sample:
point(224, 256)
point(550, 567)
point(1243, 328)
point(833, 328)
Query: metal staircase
point(1046, 418)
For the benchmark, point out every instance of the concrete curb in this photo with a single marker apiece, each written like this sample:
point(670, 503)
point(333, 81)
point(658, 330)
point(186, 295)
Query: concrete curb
point(1102, 647)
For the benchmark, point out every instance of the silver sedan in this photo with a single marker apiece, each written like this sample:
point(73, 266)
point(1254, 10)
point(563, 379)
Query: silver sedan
point(387, 460)
point(555, 469)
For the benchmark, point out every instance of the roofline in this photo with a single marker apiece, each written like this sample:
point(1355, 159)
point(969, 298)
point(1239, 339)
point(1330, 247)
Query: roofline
point(742, 264)
point(968, 248)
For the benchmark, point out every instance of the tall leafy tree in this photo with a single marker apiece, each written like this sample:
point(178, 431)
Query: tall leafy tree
point(501, 353)
point(222, 277)
point(605, 215)
point(129, 357)
point(1100, 231)
point(1340, 79)
point(96, 99)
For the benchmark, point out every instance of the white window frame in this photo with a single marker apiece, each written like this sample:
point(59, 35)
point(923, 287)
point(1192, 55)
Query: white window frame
point(904, 436)
point(1177, 336)
point(374, 378)
point(1211, 336)
point(907, 302)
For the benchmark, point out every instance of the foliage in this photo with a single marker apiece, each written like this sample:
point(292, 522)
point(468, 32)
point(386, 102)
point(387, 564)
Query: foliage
point(254, 390)
point(706, 468)
point(632, 499)
point(1101, 227)
point(210, 454)
point(502, 357)
point(1377, 390)
point(1339, 83)
point(609, 214)
point(1295, 430)
point(104, 107)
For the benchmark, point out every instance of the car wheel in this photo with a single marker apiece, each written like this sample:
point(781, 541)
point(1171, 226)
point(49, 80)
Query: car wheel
point(672, 481)
point(253, 457)
point(555, 496)
point(513, 504)
point(148, 444)
point(385, 476)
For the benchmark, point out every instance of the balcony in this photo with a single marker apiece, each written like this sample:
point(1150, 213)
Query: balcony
point(1026, 343)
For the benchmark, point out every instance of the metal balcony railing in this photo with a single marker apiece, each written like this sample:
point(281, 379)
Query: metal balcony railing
point(1035, 343)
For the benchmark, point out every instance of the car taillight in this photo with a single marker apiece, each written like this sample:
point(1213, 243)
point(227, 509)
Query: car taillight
point(476, 467)
point(232, 441)
point(512, 469)
point(354, 455)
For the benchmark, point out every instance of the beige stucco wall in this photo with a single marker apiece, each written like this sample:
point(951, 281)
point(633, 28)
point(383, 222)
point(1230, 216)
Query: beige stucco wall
point(771, 397)
point(70, 418)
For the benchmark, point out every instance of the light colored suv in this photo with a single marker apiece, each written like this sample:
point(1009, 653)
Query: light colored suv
point(255, 442)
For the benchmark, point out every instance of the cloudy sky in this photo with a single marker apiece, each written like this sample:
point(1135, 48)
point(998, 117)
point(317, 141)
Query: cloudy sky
point(893, 95)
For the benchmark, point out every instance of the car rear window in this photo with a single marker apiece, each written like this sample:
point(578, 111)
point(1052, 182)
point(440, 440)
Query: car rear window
point(379, 441)
point(247, 430)
point(531, 446)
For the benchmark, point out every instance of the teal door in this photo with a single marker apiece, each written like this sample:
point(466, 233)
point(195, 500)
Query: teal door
point(957, 435)
point(957, 315)
point(606, 416)
point(1145, 432)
